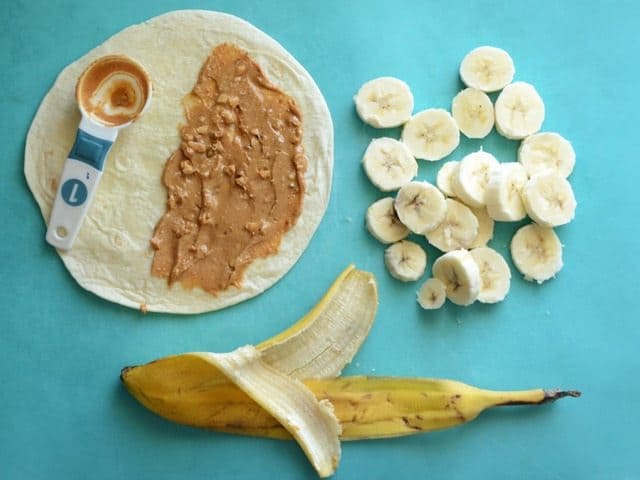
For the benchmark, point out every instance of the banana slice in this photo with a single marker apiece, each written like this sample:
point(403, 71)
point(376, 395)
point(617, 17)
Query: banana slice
point(384, 102)
point(420, 206)
point(519, 111)
point(536, 252)
point(547, 151)
point(459, 228)
point(383, 223)
point(473, 112)
point(445, 176)
point(432, 294)
point(487, 68)
point(504, 201)
point(405, 261)
point(485, 227)
point(431, 134)
point(470, 183)
point(461, 276)
point(389, 164)
point(549, 200)
point(495, 275)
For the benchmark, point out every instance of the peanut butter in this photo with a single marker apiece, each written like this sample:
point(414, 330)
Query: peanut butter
point(235, 186)
point(113, 90)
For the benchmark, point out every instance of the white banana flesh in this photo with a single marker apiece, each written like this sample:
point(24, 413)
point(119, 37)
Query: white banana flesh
point(519, 111)
point(458, 229)
point(536, 252)
point(470, 183)
point(487, 68)
point(503, 196)
point(311, 422)
point(405, 260)
point(389, 164)
point(547, 151)
point(495, 276)
point(472, 110)
point(420, 206)
point(485, 227)
point(445, 176)
point(431, 134)
point(432, 294)
point(548, 199)
point(383, 223)
point(461, 276)
point(384, 102)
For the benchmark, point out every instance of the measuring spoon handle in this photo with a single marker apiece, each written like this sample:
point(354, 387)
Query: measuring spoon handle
point(78, 183)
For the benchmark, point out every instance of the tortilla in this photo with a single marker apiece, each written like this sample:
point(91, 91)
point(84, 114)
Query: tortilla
point(111, 256)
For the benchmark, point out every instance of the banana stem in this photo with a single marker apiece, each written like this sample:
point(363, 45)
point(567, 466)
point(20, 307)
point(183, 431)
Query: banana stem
point(529, 397)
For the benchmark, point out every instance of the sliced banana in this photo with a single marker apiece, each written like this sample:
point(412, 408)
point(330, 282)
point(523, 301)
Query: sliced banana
point(485, 227)
point(458, 229)
point(389, 164)
point(487, 68)
point(444, 177)
point(405, 261)
point(473, 112)
point(519, 111)
point(504, 201)
point(383, 223)
point(432, 294)
point(420, 206)
point(461, 276)
point(431, 134)
point(495, 275)
point(536, 252)
point(549, 200)
point(470, 183)
point(547, 151)
point(384, 102)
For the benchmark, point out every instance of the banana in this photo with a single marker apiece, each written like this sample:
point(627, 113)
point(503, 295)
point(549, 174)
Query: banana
point(547, 151)
point(485, 228)
point(420, 206)
point(548, 199)
point(366, 407)
point(470, 183)
point(487, 68)
point(432, 294)
point(461, 276)
point(405, 260)
point(536, 252)
point(309, 420)
point(389, 164)
point(495, 276)
point(458, 230)
point(383, 223)
point(431, 134)
point(519, 111)
point(473, 112)
point(503, 196)
point(445, 175)
point(384, 102)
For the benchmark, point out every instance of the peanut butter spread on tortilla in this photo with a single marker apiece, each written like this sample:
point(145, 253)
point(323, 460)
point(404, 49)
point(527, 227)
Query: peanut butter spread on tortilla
point(235, 186)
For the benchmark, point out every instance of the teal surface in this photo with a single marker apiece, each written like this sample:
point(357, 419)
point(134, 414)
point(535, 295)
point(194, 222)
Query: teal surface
point(63, 412)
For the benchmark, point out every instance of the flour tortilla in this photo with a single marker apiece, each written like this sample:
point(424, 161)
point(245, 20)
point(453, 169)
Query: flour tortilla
point(111, 256)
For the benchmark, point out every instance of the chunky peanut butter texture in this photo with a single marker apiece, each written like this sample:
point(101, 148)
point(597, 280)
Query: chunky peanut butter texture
point(236, 184)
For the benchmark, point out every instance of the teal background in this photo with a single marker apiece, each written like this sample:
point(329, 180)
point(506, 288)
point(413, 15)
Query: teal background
point(63, 412)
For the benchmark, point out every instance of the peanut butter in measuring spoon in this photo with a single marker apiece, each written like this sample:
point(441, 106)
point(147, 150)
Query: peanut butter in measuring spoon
point(113, 90)
point(236, 184)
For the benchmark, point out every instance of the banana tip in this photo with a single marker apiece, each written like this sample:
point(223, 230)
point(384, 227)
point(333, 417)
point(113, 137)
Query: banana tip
point(123, 373)
point(553, 395)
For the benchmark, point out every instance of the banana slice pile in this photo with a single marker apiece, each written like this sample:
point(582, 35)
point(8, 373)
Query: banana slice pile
point(457, 214)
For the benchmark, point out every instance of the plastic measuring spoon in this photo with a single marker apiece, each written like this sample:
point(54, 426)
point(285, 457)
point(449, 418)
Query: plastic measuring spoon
point(112, 93)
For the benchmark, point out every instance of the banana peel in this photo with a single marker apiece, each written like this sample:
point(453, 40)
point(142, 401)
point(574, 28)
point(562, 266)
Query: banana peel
point(285, 387)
